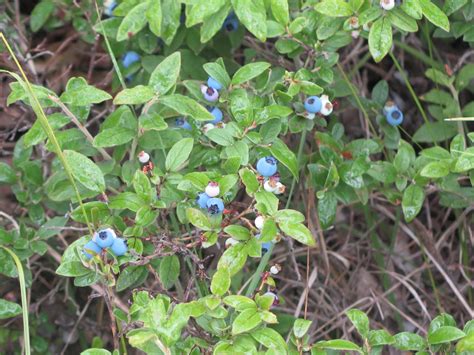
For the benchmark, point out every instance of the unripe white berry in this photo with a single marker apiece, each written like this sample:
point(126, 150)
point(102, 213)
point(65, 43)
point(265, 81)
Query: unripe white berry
point(275, 269)
point(143, 157)
point(207, 127)
point(387, 4)
point(269, 185)
point(259, 222)
point(279, 188)
point(326, 106)
point(212, 189)
point(230, 241)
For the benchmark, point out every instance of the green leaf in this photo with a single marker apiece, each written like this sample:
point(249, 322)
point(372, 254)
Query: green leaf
point(164, 76)
point(96, 351)
point(245, 321)
point(220, 282)
point(248, 72)
point(218, 72)
point(198, 11)
point(187, 107)
point(113, 136)
point(249, 180)
point(465, 161)
point(285, 156)
point(79, 93)
point(220, 136)
point(40, 14)
point(71, 269)
point(339, 344)
point(434, 14)
point(298, 232)
point(233, 259)
point(171, 19)
point(178, 154)
point(287, 215)
point(433, 132)
point(133, 22)
point(301, 327)
point(412, 8)
point(334, 8)
point(152, 121)
point(85, 171)
point(400, 19)
point(142, 186)
point(270, 339)
point(213, 24)
point(126, 200)
point(267, 202)
point(380, 337)
point(9, 309)
point(130, 276)
point(237, 232)
point(198, 219)
point(239, 302)
point(134, 96)
point(445, 334)
point(7, 174)
point(280, 11)
point(154, 16)
point(380, 38)
point(408, 341)
point(327, 206)
point(412, 201)
point(360, 321)
point(253, 16)
point(465, 345)
point(435, 169)
point(169, 270)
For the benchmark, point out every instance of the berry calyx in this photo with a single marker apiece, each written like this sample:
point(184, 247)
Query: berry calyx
point(215, 205)
point(104, 238)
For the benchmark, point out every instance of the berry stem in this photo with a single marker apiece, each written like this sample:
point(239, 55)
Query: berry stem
point(266, 257)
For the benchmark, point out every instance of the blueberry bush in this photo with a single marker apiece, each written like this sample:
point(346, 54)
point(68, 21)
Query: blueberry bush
point(237, 177)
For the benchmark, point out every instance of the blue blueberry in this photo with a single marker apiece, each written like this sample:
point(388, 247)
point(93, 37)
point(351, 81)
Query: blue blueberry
point(119, 247)
point(213, 83)
point(90, 249)
point(215, 205)
point(104, 238)
point(267, 166)
point(202, 199)
point(313, 104)
point(231, 23)
point(130, 58)
point(182, 123)
point(217, 113)
point(266, 247)
point(394, 117)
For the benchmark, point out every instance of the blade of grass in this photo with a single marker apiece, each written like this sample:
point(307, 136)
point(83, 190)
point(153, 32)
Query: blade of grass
point(38, 109)
point(410, 88)
point(24, 299)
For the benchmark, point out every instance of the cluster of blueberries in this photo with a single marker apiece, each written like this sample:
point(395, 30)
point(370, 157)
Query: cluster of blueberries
point(105, 238)
point(211, 94)
point(317, 105)
point(393, 114)
point(208, 199)
point(267, 167)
